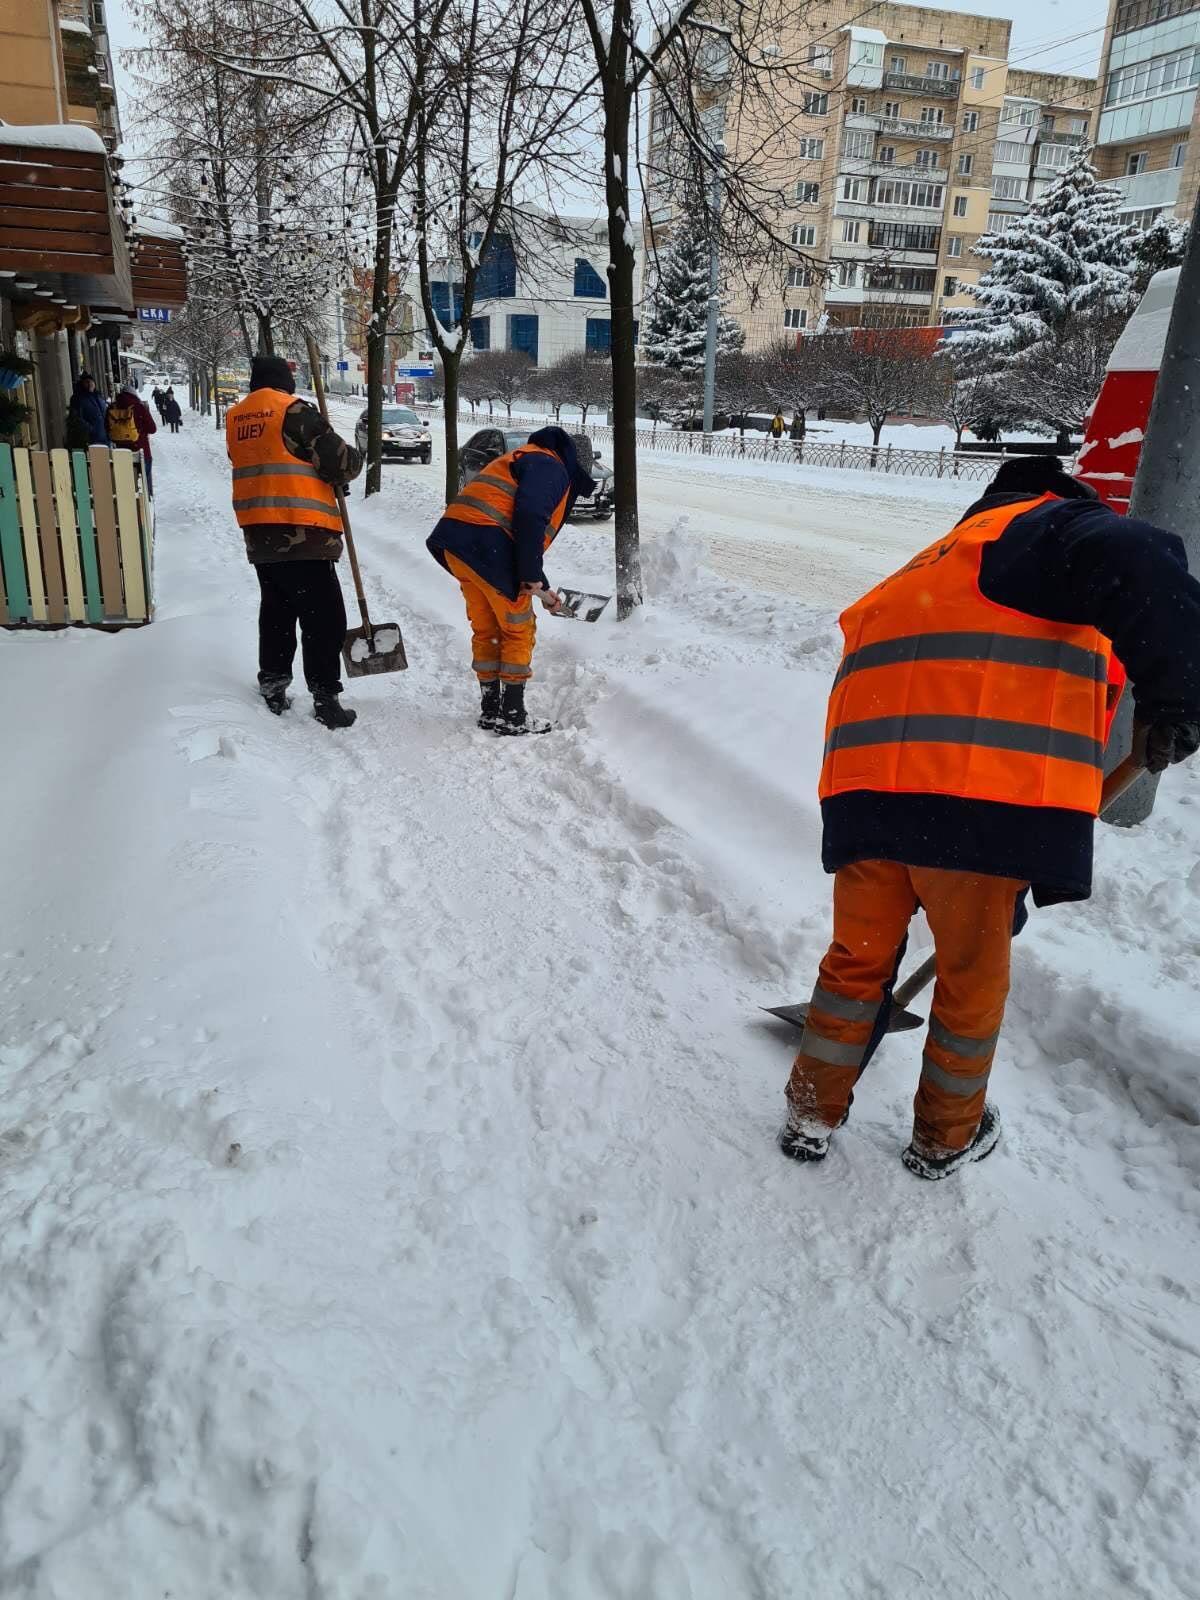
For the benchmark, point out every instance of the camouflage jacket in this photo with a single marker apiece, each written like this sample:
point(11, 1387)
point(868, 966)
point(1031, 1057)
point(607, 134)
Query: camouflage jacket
point(310, 439)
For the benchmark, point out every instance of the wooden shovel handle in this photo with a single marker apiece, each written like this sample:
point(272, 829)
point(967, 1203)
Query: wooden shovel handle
point(314, 363)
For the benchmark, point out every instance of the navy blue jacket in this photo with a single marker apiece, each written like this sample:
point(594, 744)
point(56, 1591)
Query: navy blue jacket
point(90, 410)
point(487, 549)
point(1072, 561)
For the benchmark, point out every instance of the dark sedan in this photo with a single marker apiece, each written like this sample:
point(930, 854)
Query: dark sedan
point(489, 443)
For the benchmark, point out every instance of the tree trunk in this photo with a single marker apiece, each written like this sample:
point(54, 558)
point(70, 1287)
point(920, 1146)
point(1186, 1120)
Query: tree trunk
point(377, 339)
point(216, 393)
point(958, 433)
point(450, 365)
point(266, 337)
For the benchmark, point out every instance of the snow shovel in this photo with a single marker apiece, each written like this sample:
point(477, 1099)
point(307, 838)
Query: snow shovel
point(900, 1019)
point(375, 647)
point(574, 604)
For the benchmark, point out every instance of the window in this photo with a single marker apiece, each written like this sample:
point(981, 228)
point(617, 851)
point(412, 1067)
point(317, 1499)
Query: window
point(854, 189)
point(932, 116)
point(954, 245)
point(977, 76)
point(795, 319)
point(904, 236)
point(598, 336)
point(439, 294)
point(925, 158)
point(497, 275)
point(1178, 153)
point(1162, 75)
point(589, 285)
point(950, 286)
point(804, 233)
point(1054, 155)
point(523, 336)
point(1136, 163)
point(815, 105)
point(1142, 219)
point(851, 232)
point(858, 106)
point(660, 117)
point(895, 192)
point(1009, 150)
point(886, 155)
point(970, 121)
point(999, 221)
point(1078, 125)
point(909, 280)
point(808, 194)
point(898, 64)
point(937, 69)
point(800, 277)
point(1047, 123)
point(1008, 188)
point(481, 333)
point(891, 108)
point(960, 205)
point(847, 274)
point(820, 58)
point(811, 149)
point(857, 144)
point(965, 164)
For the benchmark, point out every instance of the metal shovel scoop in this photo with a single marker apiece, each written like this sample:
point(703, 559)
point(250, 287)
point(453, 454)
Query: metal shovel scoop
point(373, 647)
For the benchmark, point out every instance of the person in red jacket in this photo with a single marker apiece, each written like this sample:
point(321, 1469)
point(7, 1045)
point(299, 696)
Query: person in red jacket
point(130, 425)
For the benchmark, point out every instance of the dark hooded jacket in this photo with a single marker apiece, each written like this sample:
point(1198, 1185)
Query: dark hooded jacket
point(506, 563)
point(89, 408)
point(1071, 560)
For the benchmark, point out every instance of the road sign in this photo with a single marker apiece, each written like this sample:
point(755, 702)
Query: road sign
point(154, 313)
point(343, 366)
point(418, 365)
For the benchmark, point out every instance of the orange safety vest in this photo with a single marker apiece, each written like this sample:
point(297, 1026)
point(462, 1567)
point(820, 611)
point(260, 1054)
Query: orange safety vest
point(941, 691)
point(269, 485)
point(491, 495)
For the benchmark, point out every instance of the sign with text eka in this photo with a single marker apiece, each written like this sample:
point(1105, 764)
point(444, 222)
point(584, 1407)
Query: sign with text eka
point(154, 313)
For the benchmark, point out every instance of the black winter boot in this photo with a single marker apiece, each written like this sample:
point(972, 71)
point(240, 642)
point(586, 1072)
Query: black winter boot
point(987, 1137)
point(805, 1140)
point(489, 705)
point(274, 692)
point(514, 718)
point(331, 713)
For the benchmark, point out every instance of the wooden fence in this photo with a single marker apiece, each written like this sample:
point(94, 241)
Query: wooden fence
point(76, 538)
point(969, 466)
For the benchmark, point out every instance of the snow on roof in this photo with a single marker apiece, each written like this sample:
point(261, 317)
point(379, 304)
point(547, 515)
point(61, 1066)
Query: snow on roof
point(1140, 347)
point(53, 136)
point(154, 229)
point(869, 35)
point(73, 25)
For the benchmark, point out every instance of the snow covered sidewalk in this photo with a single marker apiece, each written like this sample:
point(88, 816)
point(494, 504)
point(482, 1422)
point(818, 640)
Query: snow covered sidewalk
point(389, 1207)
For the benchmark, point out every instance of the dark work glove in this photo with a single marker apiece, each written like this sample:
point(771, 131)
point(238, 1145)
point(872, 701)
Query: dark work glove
point(1167, 742)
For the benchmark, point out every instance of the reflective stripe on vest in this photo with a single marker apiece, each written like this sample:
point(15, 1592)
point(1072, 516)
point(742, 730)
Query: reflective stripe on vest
point(270, 487)
point(941, 691)
point(491, 495)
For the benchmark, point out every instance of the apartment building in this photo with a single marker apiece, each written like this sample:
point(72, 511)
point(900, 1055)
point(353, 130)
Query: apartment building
point(1146, 136)
point(910, 138)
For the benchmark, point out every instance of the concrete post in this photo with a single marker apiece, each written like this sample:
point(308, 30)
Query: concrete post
point(1166, 490)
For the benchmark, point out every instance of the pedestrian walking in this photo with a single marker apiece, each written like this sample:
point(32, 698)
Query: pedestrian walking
point(158, 396)
point(492, 537)
point(777, 425)
point(172, 414)
point(286, 462)
point(87, 411)
point(130, 425)
point(964, 750)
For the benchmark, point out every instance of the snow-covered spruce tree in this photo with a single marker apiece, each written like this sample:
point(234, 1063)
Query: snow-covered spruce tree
point(677, 327)
point(1069, 256)
point(1159, 247)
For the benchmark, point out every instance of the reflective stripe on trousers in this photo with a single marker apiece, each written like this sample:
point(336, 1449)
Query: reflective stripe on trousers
point(502, 639)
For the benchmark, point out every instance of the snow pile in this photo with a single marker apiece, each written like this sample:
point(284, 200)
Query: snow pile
point(389, 1207)
point(670, 564)
point(52, 136)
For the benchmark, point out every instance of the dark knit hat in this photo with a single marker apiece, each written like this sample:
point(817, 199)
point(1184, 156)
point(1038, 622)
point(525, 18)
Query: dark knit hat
point(1039, 475)
point(272, 372)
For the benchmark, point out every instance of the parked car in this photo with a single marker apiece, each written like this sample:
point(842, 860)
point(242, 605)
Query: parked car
point(405, 436)
point(489, 443)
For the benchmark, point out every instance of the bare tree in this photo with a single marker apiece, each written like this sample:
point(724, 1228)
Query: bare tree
point(661, 393)
point(966, 400)
point(743, 384)
point(876, 373)
point(506, 373)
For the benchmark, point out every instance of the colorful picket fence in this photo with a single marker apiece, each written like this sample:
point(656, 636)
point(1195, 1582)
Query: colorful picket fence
point(76, 538)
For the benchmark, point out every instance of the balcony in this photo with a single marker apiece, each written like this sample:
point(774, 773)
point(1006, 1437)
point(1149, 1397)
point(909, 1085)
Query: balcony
point(910, 169)
point(1062, 138)
point(1142, 190)
point(903, 239)
point(939, 88)
point(901, 127)
point(1133, 14)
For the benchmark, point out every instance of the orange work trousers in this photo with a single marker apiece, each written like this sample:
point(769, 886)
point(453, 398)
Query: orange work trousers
point(502, 630)
point(971, 918)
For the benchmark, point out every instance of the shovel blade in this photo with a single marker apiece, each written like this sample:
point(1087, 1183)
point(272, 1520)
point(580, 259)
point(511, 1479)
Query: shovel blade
point(580, 606)
point(377, 649)
point(899, 1020)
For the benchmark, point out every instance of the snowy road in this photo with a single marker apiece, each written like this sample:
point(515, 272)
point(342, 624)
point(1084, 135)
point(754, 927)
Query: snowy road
point(388, 1201)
